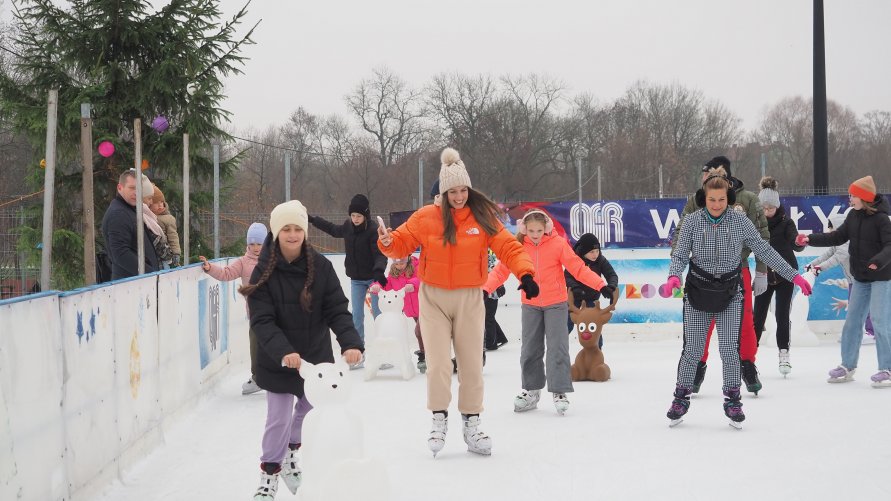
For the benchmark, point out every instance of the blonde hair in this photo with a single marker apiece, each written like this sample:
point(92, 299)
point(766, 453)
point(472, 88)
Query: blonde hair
point(408, 271)
point(536, 216)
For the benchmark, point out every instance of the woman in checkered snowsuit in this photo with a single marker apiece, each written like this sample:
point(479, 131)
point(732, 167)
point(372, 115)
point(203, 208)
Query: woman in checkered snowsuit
point(711, 241)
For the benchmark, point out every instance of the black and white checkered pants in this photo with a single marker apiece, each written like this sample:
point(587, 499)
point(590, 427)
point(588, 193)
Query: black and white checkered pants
point(696, 326)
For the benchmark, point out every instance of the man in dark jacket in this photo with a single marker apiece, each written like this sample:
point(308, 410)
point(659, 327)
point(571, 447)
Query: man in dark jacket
point(119, 230)
point(588, 248)
point(364, 262)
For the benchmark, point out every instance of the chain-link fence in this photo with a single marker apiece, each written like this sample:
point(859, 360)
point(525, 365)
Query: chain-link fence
point(16, 278)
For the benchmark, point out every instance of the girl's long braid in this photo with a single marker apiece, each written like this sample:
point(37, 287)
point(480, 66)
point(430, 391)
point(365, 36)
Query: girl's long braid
point(306, 295)
point(247, 290)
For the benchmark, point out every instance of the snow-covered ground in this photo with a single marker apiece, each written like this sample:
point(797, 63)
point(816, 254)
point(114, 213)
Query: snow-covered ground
point(803, 439)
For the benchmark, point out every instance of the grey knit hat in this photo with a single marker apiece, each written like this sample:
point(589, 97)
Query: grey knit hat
point(769, 195)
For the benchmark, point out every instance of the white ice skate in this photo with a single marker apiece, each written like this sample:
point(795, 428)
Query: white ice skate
point(561, 403)
point(785, 367)
point(526, 400)
point(291, 472)
point(249, 387)
point(436, 441)
point(268, 487)
point(477, 441)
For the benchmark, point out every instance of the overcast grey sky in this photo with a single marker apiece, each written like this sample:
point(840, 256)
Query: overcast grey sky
point(747, 54)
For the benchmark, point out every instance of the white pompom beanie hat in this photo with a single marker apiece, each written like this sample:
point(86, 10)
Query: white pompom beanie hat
point(453, 173)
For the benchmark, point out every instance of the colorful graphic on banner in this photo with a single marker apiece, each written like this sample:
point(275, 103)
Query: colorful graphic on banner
point(213, 333)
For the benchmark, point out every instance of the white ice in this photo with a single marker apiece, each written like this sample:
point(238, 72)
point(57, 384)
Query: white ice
point(803, 439)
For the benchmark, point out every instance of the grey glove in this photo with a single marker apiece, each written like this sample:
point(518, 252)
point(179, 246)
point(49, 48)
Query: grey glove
point(759, 285)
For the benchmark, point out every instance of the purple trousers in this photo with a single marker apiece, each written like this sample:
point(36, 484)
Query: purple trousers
point(869, 329)
point(284, 424)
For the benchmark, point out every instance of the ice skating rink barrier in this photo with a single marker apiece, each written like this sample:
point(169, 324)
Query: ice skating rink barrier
point(90, 378)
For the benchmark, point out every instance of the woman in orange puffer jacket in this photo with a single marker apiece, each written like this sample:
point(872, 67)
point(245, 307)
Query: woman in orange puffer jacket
point(544, 317)
point(454, 240)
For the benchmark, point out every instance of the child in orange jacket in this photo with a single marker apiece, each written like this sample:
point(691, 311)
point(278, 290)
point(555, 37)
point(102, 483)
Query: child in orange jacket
point(544, 317)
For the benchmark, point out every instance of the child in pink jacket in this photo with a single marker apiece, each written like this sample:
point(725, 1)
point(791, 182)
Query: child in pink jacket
point(544, 317)
point(241, 268)
point(403, 275)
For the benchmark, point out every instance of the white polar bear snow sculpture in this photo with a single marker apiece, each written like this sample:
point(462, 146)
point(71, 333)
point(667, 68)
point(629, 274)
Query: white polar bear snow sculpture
point(391, 340)
point(333, 453)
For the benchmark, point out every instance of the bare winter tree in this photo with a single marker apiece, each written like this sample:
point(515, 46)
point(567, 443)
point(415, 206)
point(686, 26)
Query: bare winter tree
point(391, 112)
point(461, 103)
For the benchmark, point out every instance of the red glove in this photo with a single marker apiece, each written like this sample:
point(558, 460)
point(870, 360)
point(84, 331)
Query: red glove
point(801, 240)
point(802, 284)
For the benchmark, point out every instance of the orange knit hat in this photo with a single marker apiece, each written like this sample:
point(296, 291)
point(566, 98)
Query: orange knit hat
point(864, 189)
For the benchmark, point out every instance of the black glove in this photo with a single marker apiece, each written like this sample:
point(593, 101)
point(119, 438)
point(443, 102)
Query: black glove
point(380, 278)
point(607, 292)
point(528, 285)
point(500, 291)
point(311, 219)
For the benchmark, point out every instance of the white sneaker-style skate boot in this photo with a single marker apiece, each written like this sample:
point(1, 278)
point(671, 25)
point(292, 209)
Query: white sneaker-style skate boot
point(526, 400)
point(841, 374)
point(561, 403)
point(268, 486)
point(249, 387)
point(291, 472)
point(477, 441)
point(785, 367)
point(436, 440)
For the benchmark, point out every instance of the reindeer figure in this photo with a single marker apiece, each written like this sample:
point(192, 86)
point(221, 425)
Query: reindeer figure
point(589, 364)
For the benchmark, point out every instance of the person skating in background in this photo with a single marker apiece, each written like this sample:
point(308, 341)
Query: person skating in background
point(544, 352)
point(747, 203)
point(868, 230)
point(494, 337)
point(167, 223)
point(241, 268)
point(835, 256)
point(403, 275)
point(363, 261)
point(782, 239)
point(454, 238)
point(588, 248)
point(711, 241)
point(295, 300)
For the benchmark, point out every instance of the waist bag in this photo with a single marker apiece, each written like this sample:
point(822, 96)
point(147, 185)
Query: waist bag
point(714, 293)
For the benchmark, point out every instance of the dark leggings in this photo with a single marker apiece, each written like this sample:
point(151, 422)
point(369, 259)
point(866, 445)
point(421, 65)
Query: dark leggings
point(784, 292)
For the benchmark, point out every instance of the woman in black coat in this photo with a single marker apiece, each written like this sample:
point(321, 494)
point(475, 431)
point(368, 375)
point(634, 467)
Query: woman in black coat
point(868, 231)
point(782, 239)
point(294, 298)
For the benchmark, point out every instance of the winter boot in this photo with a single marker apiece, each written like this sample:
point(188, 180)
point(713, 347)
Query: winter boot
point(250, 387)
point(561, 403)
point(477, 441)
point(436, 440)
point(679, 406)
point(422, 362)
point(750, 376)
point(268, 482)
point(700, 376)
point(733, 407)
point(291, 472)
point(841, 374)
point(785, 366)
point(527, 400)
point(881, 379)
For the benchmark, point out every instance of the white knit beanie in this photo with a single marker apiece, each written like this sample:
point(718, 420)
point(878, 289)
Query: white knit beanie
point(452, 173)
point(292, 212)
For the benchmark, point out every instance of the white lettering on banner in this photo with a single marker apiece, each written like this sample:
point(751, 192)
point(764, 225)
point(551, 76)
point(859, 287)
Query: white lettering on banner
point(824, 220)
point(795, 215)
point(597, 219)
point(671, 220)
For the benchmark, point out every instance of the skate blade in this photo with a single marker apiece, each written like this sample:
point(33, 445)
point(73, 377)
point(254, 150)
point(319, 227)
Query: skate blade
point(735, 425)
point(675, 422)
point(881, 385)
point(481, 452)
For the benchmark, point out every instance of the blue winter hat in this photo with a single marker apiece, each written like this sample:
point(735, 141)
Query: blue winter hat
point(256, 233)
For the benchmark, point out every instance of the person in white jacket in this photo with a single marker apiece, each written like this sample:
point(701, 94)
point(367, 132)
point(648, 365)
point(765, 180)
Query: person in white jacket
point(835, 256)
